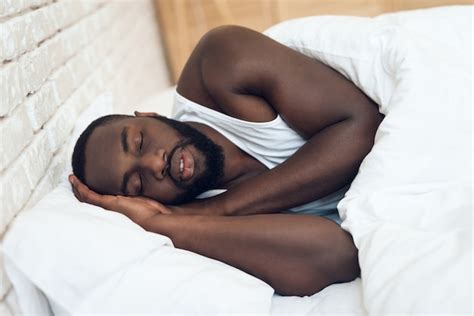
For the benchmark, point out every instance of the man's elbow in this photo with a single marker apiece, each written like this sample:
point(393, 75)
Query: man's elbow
point(339, 264)
point(336, 263)
point(344, 267)
point(362, 128)
point(344, 259)
point(368, 121)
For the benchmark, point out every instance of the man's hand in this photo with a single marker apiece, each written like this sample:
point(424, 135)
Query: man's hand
point(137, 208)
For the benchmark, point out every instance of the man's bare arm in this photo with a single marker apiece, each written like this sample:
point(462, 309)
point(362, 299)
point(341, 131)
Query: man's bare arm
point(246, 74)
point(327, 162)
point(295, 254)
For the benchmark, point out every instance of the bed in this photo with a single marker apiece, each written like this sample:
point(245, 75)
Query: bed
point(409, 208)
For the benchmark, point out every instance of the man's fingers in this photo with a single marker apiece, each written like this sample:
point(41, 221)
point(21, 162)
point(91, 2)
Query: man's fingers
point(76, 193)
point(77, 188)
point(133, 207)
point(84, 194)
point(146, 114)
point(72, 180)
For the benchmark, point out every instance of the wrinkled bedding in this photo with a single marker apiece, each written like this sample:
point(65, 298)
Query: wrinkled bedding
point(410, 207)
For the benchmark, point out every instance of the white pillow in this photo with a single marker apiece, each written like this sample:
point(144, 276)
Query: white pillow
point(86, 259)
point(31, 298)
point(162, 103)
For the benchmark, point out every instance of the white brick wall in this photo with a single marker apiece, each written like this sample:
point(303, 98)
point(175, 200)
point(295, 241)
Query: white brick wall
point(56, 57)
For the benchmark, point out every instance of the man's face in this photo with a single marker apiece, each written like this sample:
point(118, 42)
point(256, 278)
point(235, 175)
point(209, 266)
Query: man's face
point(163, 159)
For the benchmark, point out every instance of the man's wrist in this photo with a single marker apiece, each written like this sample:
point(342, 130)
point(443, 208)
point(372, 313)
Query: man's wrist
point(161, 224)
point(172, 227)
point(199, 207)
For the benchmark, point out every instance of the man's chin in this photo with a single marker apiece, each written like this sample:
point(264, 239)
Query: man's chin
point(185, 198)
point(192, 190)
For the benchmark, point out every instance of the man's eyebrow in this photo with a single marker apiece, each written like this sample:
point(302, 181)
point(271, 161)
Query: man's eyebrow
point(124, 136)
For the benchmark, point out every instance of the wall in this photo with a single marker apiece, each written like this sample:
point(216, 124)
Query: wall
point(185, 21)
point(56, 58)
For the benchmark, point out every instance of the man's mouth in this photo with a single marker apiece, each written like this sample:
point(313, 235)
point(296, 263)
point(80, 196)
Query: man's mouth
point(182, 165)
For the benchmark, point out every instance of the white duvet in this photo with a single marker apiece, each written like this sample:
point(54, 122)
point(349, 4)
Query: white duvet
point(410, 207)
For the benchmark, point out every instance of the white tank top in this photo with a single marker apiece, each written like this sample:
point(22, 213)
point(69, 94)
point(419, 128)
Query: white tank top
point(271, 143)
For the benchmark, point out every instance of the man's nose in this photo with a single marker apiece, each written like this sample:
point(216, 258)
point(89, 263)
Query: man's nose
point(155, 163)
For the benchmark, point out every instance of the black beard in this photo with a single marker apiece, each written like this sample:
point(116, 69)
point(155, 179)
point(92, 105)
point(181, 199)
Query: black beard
point(213, 160)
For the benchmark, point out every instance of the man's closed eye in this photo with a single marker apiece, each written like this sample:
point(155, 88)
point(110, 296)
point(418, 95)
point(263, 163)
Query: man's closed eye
point(141, 143)
point(140, 192)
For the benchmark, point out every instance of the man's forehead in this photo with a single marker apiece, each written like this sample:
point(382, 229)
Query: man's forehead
point(119, 122)
point(132, 121)
point(105, 130)
point(102, 151)
point(112, 127)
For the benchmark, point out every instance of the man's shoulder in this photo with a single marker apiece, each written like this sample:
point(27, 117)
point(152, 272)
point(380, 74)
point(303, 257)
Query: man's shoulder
point(190, 83)
point(212, 77)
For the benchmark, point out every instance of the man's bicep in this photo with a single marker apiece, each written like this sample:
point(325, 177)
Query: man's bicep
point(306, 93)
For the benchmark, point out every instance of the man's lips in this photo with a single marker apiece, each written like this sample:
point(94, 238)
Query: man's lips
point(182, 165)
point(187, 165)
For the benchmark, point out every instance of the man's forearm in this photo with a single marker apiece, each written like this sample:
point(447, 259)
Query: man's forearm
point(327, 162)
point(296, 255)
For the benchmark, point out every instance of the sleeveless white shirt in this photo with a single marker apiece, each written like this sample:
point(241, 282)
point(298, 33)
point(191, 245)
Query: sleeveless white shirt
point(271, 143)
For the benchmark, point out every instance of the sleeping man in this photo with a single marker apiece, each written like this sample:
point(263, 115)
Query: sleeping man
point(264, 143)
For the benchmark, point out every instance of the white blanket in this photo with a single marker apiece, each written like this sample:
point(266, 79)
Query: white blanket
point(410, 206)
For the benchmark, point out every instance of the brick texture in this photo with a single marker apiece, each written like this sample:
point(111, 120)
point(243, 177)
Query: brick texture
point(56, 57)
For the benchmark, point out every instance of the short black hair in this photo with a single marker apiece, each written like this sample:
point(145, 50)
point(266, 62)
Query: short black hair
point(79, 153)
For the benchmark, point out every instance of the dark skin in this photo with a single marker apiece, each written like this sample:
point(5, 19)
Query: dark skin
point(246, 75)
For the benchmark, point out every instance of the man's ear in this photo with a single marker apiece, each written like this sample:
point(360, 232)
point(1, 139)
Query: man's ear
point(146, 114)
